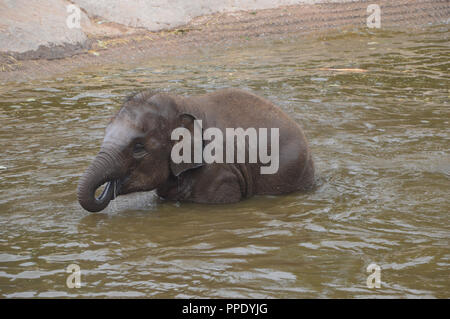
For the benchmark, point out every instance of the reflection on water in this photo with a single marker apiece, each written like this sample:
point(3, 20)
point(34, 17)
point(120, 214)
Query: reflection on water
point(381, 144)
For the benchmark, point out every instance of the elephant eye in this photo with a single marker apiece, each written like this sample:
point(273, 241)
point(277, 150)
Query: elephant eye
point(138, 150)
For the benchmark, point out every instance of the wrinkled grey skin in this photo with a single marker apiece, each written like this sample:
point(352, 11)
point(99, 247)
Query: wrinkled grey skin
point(135, 154)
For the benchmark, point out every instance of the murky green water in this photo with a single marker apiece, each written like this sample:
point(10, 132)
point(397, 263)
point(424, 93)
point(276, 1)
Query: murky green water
point(381, 145)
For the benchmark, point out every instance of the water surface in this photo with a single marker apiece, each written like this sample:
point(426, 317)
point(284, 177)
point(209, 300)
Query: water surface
point(380, 140)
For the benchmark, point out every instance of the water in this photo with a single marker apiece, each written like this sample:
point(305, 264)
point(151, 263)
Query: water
point(380, 141)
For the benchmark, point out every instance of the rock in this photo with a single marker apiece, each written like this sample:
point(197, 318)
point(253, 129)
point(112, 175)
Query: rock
point(31, 29)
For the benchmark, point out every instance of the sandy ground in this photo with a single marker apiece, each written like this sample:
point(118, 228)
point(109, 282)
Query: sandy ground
point(111, 44)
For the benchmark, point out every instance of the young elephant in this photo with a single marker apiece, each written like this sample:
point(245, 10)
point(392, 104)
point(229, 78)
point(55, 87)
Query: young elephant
point(138, 150)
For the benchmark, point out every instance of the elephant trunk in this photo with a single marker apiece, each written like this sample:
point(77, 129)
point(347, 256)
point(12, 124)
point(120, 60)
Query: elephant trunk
point(104, 169)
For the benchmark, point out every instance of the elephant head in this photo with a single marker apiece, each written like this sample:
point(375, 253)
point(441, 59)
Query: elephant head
point(135, 153)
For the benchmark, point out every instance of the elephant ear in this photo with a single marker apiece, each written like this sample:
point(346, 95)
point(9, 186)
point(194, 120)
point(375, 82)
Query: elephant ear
point(191, 124)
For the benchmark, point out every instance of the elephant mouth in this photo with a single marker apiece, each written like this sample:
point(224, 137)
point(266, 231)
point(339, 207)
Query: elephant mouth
point(112, 187)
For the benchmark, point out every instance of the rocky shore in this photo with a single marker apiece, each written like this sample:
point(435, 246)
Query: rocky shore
point(45, 38)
